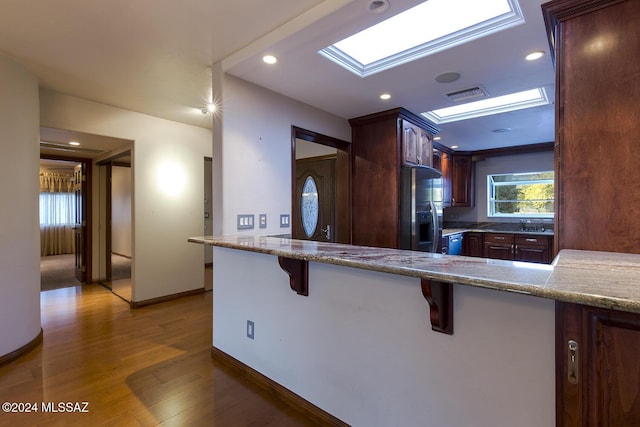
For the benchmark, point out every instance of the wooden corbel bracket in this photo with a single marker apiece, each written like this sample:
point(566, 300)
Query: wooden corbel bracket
point(439, 295)
point(298, 271)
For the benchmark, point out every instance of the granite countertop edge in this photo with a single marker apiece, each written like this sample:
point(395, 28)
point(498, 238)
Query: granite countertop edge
point(597, 279)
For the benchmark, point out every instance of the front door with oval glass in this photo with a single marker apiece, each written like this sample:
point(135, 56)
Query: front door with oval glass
point(314, 217)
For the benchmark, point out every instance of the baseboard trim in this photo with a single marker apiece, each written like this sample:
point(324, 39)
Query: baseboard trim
point(152, 301)
point(10, 357)
point(318, 415)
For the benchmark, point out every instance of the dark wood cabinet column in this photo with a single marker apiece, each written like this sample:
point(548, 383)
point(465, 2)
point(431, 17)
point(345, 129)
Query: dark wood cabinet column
point(597, 57)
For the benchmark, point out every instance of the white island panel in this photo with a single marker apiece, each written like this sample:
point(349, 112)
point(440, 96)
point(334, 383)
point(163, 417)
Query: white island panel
point(360, 346)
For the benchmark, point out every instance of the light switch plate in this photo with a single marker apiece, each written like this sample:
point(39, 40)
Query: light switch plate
point(284, 221)
point(245, 221)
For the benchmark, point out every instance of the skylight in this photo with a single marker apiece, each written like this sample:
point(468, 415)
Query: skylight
point(500, 104)
point(429, 27)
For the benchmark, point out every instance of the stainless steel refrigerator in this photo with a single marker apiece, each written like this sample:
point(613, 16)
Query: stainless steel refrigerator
point(421, 209)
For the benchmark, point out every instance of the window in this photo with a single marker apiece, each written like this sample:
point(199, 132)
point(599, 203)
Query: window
point(521, 195)
point(57, 209)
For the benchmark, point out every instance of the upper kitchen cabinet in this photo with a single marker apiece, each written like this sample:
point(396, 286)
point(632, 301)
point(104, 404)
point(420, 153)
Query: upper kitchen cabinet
point(462, 181)
point(417, 145)
point(381, 143)
point(441, 160)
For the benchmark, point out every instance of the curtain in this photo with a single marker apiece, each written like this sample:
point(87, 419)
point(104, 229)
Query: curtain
point(57, 214)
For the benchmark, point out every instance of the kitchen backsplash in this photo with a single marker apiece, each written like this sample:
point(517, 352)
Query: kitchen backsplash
point(528, 225)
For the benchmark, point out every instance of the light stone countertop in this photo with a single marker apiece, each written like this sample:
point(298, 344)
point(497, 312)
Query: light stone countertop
point(599, 279)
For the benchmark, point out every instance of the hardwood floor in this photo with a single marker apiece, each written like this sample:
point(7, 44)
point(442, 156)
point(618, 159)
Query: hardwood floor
point(144, 367)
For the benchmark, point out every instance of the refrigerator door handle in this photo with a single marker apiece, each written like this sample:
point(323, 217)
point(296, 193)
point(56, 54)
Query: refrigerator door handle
point(435, 227)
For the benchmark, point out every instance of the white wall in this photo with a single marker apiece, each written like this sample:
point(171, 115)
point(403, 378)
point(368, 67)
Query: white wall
point(533, 162)
point(121, 211)
point(255, 151)
point(306, 149)
point(164, 263)
point(19, 229)
point(360, 346)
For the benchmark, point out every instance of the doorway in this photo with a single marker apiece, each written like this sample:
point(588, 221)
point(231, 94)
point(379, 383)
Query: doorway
point(64, 219)
point(116, 248)
point(321, 178)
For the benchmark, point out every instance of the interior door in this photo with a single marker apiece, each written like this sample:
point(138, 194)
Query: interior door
point(80, 190)
point(315, 194)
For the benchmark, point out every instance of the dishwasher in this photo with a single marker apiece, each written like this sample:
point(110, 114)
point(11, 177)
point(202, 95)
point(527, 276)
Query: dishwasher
point(453, 245)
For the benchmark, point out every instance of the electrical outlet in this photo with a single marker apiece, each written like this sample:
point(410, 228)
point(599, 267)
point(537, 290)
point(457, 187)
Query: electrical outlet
point(250, 329)
point(284, 221)
point(245, 221)
point(263, 220)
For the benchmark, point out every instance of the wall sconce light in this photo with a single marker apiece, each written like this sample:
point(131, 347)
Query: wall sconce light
point(209, 108)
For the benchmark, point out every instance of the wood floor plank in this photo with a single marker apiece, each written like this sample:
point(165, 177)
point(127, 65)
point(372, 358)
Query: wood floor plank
point(144, 367)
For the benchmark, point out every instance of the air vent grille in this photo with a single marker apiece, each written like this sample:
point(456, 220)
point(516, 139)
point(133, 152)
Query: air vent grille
point(466, 94)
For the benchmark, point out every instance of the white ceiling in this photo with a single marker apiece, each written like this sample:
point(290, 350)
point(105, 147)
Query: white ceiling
point(154, 57)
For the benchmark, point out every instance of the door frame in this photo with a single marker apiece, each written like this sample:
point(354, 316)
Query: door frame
point(87, 202)
point(109, 163)
point(342, 179)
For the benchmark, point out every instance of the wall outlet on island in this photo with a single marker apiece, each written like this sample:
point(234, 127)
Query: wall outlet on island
point(250, 329)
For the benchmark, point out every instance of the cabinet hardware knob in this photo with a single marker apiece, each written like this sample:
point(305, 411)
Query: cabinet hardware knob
point(573, 362)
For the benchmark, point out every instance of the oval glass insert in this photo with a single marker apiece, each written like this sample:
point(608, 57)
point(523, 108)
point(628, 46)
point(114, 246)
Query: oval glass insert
point(309, 206)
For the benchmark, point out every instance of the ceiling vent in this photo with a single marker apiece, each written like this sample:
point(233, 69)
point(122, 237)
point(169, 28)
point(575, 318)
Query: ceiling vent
point(466, 94)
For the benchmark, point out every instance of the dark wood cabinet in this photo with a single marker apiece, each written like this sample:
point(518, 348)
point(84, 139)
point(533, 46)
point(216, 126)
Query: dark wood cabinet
point(598, 366)
point(498, 246)
point(509, 246)
point(472, 244)
point(597, 186)
point(597, 52)
point(462, 181)
point(533, 248)
point(378, 153)
point(417, 145)
point(442, 162)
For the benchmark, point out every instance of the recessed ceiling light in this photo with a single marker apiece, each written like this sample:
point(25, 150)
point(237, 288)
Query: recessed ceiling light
point(269, 59)
point(502, 130)
point(534, 55)
point(378, 6)
point(486, 107)
point(453, 147)
point(74, 143)
point(385, 96)
point(437, 138)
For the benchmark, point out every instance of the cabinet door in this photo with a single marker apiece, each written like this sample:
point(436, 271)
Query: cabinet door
point(498, 251)
point(532, 249)
point(472, 244)
point(498, 246)
point(597, 366)
point(425, 148)
point(410, 136)
point(461, 181)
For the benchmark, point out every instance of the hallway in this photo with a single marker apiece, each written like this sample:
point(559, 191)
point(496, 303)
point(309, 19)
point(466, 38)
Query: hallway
point(149, 366)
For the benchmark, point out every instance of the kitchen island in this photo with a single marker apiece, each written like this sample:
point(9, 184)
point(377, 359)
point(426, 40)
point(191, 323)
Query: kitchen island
point(361, 345)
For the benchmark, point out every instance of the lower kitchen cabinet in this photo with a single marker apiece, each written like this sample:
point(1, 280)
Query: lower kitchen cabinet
point(498, 246)
point(509, 246)
point(597, 366)
point(533, 249)
point(472, 244)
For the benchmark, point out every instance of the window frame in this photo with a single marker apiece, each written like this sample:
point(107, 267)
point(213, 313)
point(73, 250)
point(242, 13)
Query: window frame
point(491, 198)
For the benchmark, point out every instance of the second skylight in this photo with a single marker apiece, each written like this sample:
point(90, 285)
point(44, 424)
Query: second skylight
point(429, 27)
